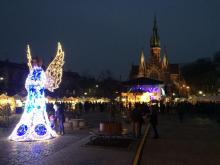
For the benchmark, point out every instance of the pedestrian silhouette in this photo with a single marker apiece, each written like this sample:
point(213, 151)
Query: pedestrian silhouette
point(154, 119)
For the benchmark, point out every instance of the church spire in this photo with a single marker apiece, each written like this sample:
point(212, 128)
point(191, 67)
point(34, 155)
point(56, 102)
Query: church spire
point(142, 66)
point(155, 44)
point(165, 59)
point(155, 39)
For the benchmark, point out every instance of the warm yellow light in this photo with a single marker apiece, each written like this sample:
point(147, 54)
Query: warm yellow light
point(6, 100)
point(123, 99)
point(18, 103)
point(145, 97)
point(29, 57)
point(54, 71)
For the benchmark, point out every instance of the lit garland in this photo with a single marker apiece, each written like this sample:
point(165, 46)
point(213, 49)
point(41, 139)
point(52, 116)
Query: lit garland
point(29, 58)
point(54, 71)
point(34, 123)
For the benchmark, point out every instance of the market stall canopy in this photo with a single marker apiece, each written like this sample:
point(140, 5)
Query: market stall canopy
point(71, 99)
point(3, 96)
point(142, 81)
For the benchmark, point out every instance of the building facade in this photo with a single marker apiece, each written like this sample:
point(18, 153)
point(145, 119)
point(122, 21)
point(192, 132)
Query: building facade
point(156, 66)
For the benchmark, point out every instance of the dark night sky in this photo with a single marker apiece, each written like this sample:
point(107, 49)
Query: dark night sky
point(99, 34)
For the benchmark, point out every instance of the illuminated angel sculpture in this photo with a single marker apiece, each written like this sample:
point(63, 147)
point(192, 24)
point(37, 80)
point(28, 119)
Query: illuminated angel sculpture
point(34, 123)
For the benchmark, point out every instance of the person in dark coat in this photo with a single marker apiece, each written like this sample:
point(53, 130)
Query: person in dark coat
point(60, 117)
point(154, 120)
point(137, 120)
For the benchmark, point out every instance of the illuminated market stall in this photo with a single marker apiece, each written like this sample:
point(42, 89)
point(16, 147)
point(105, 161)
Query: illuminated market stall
point(142, 90)
point(7, 100)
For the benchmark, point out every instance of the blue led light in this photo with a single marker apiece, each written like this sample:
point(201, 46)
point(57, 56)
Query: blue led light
point(40, 129)
point(22, 130)
point(37, 124)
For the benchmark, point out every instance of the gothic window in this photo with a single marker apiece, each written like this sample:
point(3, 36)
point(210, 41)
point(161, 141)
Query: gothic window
point(154, 75)
point(154, 72)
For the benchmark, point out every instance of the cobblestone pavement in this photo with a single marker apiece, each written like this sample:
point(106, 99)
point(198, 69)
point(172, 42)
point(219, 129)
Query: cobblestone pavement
point(26, 152)
point(67, 149)
point(79, 154)
point(196, 141)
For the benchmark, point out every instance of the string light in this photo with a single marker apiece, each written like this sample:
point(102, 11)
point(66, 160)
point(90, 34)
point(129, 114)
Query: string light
point(29, 57)
point(34, 123)
point(54, 71)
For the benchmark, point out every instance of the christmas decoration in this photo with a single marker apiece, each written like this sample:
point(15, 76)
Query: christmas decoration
point(34, 123)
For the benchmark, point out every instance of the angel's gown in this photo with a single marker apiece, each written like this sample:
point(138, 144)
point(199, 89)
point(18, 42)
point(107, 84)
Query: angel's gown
point(34, 123)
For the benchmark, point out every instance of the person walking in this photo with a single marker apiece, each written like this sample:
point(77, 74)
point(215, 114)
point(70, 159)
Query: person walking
point(60, 117)
point(154, 120)
point(137, 120)
point(52, 120)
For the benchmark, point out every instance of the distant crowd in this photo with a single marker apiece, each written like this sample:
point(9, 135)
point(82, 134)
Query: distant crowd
point(206, 108)
point(132, 113)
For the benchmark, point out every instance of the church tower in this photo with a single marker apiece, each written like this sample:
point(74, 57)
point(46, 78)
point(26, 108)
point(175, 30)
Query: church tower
point(155, 43)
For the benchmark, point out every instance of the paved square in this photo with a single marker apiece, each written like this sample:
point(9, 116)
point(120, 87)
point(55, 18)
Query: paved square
point(196, 141)
point(64, 150)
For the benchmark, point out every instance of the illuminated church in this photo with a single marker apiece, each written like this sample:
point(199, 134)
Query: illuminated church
point(156, 66)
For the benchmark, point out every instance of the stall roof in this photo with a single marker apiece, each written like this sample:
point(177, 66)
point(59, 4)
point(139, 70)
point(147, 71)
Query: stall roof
point(142, 81)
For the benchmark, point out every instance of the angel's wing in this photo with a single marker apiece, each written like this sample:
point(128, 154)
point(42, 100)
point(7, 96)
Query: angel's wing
point(29, 58)
point(55, 70)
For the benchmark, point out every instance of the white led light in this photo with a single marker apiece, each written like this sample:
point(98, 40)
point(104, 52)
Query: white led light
point(34, 123)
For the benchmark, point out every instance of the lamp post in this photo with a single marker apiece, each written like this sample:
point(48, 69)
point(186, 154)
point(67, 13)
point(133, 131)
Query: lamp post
point(188, 89)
